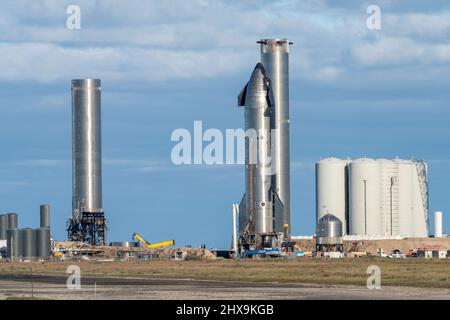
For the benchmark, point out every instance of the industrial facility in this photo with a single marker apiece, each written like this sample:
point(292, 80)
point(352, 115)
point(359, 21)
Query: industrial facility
point(381, 198)
point(357, 201)
point(25, 243)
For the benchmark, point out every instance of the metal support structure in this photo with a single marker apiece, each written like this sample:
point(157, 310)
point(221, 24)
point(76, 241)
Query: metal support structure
point(90, 228)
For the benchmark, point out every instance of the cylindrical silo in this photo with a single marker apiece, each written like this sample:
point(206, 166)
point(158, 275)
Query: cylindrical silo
point(389, 197)
point(12, 220)
point(438, 224)
point(365, 197)
point(14, 243)
point(405, 197)
point(29, 243)
point(86, 146)
point(275, 59)
point(420, 198)
point(45, 215)
point(331, 190)
point(3, 226)
point(43, 246)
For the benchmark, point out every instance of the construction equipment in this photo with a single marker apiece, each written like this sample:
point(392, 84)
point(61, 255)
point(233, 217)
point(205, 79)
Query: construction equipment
point(156, 245)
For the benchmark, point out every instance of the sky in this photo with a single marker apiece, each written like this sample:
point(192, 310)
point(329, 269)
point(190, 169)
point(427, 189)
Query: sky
point(355, 92)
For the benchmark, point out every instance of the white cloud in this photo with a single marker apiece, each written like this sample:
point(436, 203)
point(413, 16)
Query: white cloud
point(49, 63)
point(137, 164)
point(401, 51)
point(7, 186)
point(155, 41)
point(42, 162)
point(418, 24)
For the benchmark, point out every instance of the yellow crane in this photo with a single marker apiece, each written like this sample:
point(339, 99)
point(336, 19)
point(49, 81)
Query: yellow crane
point(156, 245)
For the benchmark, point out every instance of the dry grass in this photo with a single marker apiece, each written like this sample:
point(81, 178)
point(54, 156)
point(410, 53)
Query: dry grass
point(409, 272)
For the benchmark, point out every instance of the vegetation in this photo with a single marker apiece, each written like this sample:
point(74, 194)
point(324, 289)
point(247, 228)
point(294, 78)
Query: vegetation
point(394, 272)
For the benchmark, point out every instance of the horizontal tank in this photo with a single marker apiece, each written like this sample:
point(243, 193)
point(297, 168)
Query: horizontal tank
point(126, 244)
point(365, 197)
point(331, 189)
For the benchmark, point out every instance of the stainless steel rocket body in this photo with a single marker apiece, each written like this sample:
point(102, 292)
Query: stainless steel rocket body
point(86, 146)
point(258, 200)
point(275, 59)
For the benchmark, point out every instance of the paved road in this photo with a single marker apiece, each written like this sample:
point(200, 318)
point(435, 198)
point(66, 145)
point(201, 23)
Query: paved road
point(54, 287)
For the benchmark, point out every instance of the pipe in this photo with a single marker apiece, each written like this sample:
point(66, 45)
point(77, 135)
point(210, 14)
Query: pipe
point(365, 207)
point(235, 219)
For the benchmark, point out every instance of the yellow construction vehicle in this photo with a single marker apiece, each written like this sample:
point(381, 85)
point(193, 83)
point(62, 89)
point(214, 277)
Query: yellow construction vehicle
point(156, 245)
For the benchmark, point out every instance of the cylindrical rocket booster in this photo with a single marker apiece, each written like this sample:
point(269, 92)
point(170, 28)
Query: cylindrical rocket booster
point(256, 97)
point(275, 59)
point(86, 146)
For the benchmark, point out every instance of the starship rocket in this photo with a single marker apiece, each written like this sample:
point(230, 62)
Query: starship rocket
point(264, 211)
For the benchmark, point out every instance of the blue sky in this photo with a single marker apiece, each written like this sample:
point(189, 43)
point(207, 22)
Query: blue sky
point(163, 64)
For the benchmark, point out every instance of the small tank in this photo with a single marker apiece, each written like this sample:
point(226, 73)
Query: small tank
point(3, 226)
point(45, 215)
point(43, 245)
point(29, 243)
point(12, 221)
point(329, 234)
point(14, 243)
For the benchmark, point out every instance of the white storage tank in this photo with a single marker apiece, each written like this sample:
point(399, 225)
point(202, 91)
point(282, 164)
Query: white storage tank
point(405, 183)
point(420, 198)
point(438, 233)
point(331, 190)
point(389, 197)
point(365, 215)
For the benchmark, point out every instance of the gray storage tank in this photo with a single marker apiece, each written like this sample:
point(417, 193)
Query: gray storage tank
point(329, 234)
point(43, 245)
point(3, 226)
point(14, 243)
point(13, 221)
point(45, 215)
point(29, 243)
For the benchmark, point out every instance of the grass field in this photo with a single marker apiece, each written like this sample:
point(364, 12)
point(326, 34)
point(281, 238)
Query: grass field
point(408, 272)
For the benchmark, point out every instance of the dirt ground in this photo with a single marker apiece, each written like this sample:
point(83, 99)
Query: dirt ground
point(101, 288)
point(388, 246)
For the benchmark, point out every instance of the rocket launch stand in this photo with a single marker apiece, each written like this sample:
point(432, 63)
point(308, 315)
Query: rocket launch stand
point(90, 228)
point(261, 244)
